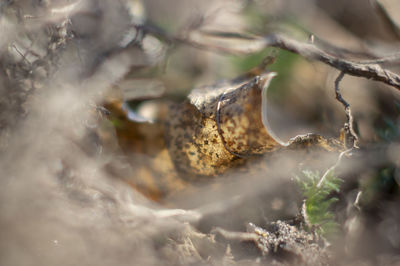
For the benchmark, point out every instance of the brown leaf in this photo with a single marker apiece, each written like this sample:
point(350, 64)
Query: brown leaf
point(218, 126)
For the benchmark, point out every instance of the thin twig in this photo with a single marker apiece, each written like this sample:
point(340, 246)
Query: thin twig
point(394, 58)
point(238, 236)
point(340, 51)
point(337, 90)
point(186, 40)
point(351, 138)
point(331, 169)
point(356, 203)
point(21, 54)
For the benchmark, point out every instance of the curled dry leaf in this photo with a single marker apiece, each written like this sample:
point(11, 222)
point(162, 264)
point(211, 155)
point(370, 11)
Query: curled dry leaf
point(216, 128)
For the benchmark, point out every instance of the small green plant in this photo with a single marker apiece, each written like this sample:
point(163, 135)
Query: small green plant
point(318, 202)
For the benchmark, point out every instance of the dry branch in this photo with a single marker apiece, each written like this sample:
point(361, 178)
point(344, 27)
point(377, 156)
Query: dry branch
point(359, 69)
point(370, 69)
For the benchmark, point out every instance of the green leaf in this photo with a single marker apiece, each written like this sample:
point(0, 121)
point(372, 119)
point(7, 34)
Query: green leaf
point(317, 201)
